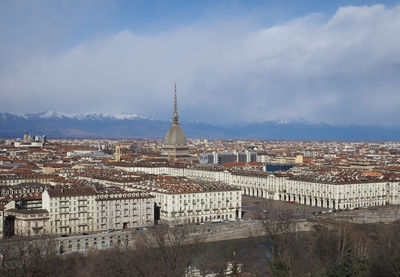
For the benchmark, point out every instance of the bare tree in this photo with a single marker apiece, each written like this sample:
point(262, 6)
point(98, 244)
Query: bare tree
point(341, 249)
point(387, 251)
point(27, 256)
point(280, 243)
point(170, 249)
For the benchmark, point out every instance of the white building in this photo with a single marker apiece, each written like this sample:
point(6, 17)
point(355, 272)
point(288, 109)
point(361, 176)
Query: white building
point(183, 200)
point(201, 206)
point(30, 222)
point(71, 209)
point(252, 183)
point(120, 209)
point(337, 195)
point(334, 194)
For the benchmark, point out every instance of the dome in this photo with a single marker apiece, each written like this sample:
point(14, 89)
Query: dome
point(175, 144)
point(175, 136)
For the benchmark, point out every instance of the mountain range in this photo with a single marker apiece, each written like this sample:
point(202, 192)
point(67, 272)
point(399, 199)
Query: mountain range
point(94, 125)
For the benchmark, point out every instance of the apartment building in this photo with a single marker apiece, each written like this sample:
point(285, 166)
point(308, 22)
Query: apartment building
point(201, 206)
point(222, 157)
point(14, 179)
point(30, 222)
point(120, 209)
point(72, 209)
point(252, 183)
point(337, 195)
point(332, 192)
point(181, 200)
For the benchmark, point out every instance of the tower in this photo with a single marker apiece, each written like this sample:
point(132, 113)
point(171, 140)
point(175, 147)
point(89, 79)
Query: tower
point(117, 155)
point(175, 145)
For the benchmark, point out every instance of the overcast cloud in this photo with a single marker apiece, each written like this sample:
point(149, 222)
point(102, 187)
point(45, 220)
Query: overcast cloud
point(341, 69)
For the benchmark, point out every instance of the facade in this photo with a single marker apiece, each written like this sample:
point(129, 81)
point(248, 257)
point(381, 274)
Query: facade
point(33, 144)
point(30, 222)
point(337, 195)
point(246, 156)
point(14, 179)
point(279, 186)
point(29, 202)
point(206, 158)
point(71, 209)
point(222, 157)
point(68, 245)
point(119, 209)
point(200, 206)
point(183, 200)
point(175, 144)
point(23, 189)
point(252, 183)
point(117, 154)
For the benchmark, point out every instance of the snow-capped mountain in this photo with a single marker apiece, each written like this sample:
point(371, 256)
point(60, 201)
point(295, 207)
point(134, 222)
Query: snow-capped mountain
point(94, 125)
point(92, 116)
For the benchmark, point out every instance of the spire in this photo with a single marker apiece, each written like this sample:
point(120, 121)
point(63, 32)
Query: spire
point(175, 117)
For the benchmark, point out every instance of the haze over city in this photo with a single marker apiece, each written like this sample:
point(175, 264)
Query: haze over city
point(323, 61)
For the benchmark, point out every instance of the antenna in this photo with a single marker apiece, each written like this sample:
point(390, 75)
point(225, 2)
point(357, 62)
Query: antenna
point(175, 117)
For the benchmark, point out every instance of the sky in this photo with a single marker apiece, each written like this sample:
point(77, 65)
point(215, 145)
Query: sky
point(336, 62)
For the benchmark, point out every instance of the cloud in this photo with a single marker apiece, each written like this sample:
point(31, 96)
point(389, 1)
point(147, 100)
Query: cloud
point(342, 69)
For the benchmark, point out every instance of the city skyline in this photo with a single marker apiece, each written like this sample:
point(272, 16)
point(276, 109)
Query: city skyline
point(332, 63)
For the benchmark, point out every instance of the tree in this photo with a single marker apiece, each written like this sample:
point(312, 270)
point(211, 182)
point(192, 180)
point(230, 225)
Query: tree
point(170, 250)
point(280, 244)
